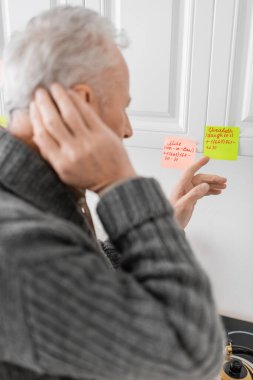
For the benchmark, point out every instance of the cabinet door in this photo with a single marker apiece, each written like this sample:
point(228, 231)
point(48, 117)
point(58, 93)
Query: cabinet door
point(231, 71)
point(191, 65)
point(169, 61)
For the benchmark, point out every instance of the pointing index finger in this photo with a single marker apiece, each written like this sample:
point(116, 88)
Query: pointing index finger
point(191, 170)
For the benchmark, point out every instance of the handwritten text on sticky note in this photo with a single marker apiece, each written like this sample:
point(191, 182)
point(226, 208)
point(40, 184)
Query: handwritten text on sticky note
point(178, 152)
point(221, 143)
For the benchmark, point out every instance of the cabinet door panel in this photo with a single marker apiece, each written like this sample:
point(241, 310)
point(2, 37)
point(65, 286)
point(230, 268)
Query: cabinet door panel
point(169, 93)
point(230, 100)
point(190, 63)
point(159, 61)
point(96, 5)
point(240, 105)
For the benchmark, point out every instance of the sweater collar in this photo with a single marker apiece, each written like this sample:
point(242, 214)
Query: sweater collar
point(26, 174)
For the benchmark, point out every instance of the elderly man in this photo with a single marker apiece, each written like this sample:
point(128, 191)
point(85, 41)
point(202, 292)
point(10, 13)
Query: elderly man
point(65, 311)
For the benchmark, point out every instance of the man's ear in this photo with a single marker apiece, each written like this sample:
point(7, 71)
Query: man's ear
point(85, 92)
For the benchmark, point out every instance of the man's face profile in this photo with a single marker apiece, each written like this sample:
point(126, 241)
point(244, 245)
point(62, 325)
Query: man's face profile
point(113, 112)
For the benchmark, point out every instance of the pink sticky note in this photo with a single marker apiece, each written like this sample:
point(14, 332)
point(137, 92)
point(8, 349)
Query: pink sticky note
point(178, 152)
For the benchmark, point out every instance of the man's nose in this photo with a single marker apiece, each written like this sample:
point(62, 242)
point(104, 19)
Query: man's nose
point(128, 129)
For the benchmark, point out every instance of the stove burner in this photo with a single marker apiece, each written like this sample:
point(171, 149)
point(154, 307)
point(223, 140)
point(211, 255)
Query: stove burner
point(235, 369)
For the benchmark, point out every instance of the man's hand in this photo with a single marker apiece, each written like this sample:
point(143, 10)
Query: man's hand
point(83, 151)
point(193, 187)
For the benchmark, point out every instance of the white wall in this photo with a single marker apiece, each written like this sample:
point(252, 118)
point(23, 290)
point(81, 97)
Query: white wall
point(221, 230)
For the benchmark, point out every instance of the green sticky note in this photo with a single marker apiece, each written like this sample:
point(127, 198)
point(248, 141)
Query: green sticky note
point(221, 143)
point(3, 121)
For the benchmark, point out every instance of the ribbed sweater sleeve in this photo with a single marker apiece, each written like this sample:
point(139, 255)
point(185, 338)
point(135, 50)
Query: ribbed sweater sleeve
point(111, 252)
point(152, 319)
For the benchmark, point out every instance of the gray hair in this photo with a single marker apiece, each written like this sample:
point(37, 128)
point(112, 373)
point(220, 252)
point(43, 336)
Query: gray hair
point(68, 45)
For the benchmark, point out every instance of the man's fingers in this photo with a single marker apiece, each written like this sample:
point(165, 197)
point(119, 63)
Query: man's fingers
point(217, 186)
point(211, 179)
point(40, 133)
point(214, 192)
point(189, 200)
point(50, 116)
point(69, 113)
point(197, 193)
point(89, 115)
point(48, 147)
point(192, 169)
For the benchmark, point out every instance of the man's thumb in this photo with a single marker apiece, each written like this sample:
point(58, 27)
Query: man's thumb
point(197, 193)
point(204, 188)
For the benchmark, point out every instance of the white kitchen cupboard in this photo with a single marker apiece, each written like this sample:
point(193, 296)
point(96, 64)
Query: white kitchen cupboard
point(190, 62)
point(191, 65)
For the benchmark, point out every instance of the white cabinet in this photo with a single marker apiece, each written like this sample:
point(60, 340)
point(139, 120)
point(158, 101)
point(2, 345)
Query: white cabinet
point(191, 66)
point(190, 61)
point(169, 66)
point(231, 71)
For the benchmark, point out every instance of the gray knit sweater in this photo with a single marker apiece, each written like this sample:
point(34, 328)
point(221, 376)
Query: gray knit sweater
point(65, 314)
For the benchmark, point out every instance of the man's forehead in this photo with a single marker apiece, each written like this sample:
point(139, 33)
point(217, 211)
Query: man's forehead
point(122, 70)
point(122, 62)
